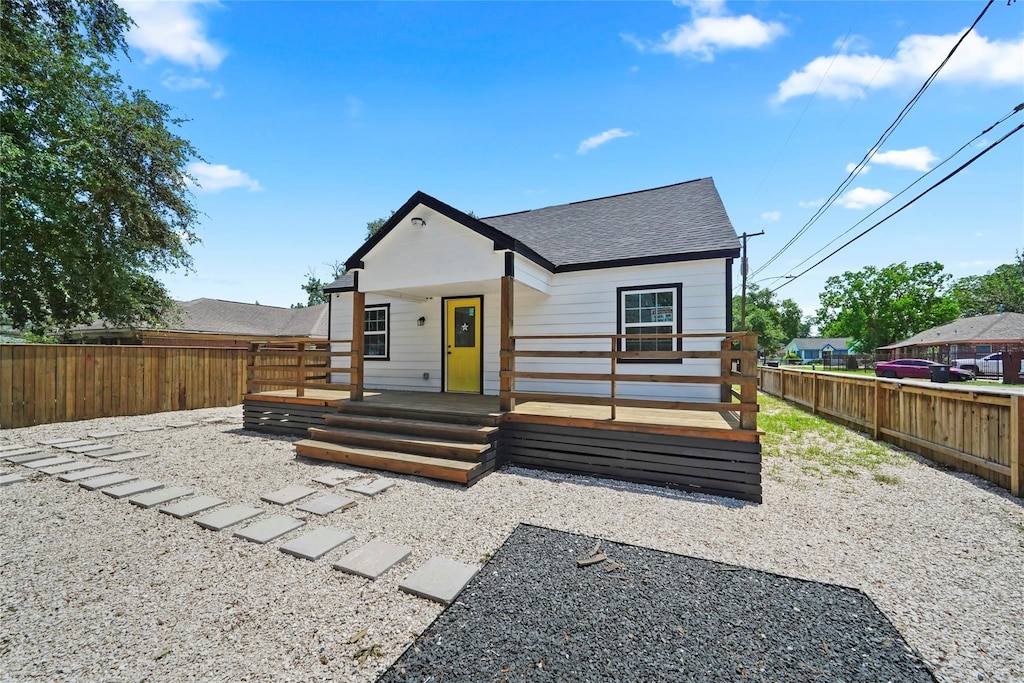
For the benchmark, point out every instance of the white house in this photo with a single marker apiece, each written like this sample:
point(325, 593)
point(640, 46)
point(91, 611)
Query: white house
point(656, 261)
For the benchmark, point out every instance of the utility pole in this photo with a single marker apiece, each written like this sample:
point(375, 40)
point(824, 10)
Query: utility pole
point(743, 273)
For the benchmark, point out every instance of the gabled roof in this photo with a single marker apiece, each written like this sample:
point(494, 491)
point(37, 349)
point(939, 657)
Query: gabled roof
point(981, 329)
point(680, 222)
point(216, 316)
point(818, 343)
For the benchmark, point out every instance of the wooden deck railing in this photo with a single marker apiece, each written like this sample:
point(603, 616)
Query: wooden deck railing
point(300, 364)
point(734, 346)
point(979, 432)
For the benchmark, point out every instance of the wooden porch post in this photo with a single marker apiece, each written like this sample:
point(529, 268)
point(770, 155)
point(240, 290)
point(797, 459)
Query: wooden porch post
point(748, 368)
point(250, 367)
point(358, 325)
point(726, 396)
point(1016, 444)
point(301, 371)
point(507, 382)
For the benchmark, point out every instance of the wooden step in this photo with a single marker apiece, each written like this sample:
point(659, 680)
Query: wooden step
point(402, 463)
point(437, 430)
point(401, 443)
point(423, 414)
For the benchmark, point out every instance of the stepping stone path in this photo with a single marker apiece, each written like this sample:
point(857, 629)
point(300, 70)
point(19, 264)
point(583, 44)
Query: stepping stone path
point(288, 495)
point(225, 517)
point(325, 505)
point(85, 474)
point(268, 529)
point(104, 435)
point(150, 428)
point(112, 450)
point(373, 559)
point(89, 448)
point(180, 425)
point(192, 506)
point(121, 457)
point(11, 479)
point(133, 488)
point(333, 479)
point(27, 455)
point(11, 447)
point(159, 497)
point(112, 479)
point(317, 543)
point(70, 467)
point(215, 420)
point(48, 462)
point(372, 488)
point(439, 579)
point(72, 444)
point(55, 442)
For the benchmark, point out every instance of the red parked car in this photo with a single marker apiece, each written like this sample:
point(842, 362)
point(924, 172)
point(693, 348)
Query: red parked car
point(917, 368)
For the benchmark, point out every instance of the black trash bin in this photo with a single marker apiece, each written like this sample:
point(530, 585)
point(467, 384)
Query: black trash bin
point(940, 373)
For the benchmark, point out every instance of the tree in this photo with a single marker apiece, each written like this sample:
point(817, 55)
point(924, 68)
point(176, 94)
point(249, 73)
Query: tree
point(95, 195)
point(314, 288)
point(876, 306)
point(998, 291)
point(372, 227)
point(776, 322)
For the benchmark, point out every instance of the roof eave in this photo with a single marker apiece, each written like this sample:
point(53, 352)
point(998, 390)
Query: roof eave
point(648, 260)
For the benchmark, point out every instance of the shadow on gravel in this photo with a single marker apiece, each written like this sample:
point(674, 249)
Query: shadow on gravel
point(531, 614)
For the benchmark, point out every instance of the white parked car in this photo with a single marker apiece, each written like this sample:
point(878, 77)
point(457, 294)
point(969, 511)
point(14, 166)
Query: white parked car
point(992, 364)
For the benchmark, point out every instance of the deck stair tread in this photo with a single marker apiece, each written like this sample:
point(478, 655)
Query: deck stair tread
point(403, 463)
point(428, 428)
point(403, 443)
point(417, 413)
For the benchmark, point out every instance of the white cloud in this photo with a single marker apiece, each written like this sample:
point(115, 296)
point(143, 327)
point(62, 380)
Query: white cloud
point(596, 141)
point(173, 31)
point(811, 204)
point(850, 166)
point(771, 215)
point(710, 29)
point(977, 61)
point(217, 177)
point(176, 82)
point(918, 158)
point(863, 197)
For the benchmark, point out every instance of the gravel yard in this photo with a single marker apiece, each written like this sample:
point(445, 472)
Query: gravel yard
point(96, 589)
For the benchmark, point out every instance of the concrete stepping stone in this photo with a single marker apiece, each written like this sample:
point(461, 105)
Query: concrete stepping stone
point(317, 543)
point(159, 496)
point(72, 444)
point(214, 420)
point(48, 462)
point(288, 495)
point(181, 425)
point(27, 455)
point(112, 450)
point(133, 488)
point(12, 447)
point(6, 479)
point(268, 529)
point(104, 435)
point(372, 488)
point(78, 475)
point(335, 478)
point(122, 457)
point(88, 449)
point(54, 442)
point(148, 428)
point(112, 479)
point(373, 559)
point(70, 467)
point(439, 579)
point(192, 506)
point(326, 504)
point(225, 517)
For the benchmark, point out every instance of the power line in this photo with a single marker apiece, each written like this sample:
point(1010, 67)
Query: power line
point(875, 147)
point(947, 177)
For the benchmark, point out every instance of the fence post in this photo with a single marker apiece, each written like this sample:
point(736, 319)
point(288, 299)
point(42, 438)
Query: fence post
point(748, 368)
point(726, 371)
point(814, 393)
point(300, 370)
point(877, 427)
point(1017, 445)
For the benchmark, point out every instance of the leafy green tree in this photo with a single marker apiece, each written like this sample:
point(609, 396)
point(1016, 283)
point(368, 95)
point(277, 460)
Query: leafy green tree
point(776, 322)
point(314, 287)
point(95, 195)
point(1001, 290)
point(879, 306)
point(372, 227)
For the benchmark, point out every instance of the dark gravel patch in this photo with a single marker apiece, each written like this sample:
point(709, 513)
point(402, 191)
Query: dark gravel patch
point(532, 615)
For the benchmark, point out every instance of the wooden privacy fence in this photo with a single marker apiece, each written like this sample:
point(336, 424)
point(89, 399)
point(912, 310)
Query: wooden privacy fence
point(301, 364)
point(727, 355)
point(44, 383)
point(978, 432)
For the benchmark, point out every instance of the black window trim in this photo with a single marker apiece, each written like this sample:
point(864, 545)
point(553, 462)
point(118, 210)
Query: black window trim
point(620, 323)
point(387, 331)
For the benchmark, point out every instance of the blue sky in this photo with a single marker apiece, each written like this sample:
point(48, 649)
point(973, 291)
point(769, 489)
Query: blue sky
point(315, 117)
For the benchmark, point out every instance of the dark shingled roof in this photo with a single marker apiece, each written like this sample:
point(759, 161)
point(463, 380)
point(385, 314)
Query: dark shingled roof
point(981, 329)
point(818, 343)
point(344, 283)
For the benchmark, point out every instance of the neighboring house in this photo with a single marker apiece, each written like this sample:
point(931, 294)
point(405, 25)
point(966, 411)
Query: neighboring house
point(963, 338)
point(653, 261)
point(214, 322)
point(813, 348)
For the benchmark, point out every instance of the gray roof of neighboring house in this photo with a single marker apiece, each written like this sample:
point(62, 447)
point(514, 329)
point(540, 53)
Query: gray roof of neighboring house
point(215, 316)
point(818, 343)
point(981, 329)
point(672, 223)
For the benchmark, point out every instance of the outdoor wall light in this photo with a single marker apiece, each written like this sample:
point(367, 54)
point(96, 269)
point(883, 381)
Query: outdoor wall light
point(418, 222)
point(421, 322)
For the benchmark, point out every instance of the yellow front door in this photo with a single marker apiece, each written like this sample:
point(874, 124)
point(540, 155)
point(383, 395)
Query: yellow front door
point(463, 344)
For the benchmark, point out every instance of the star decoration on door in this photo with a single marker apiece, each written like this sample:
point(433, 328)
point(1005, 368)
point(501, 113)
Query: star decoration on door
point(465, 327)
